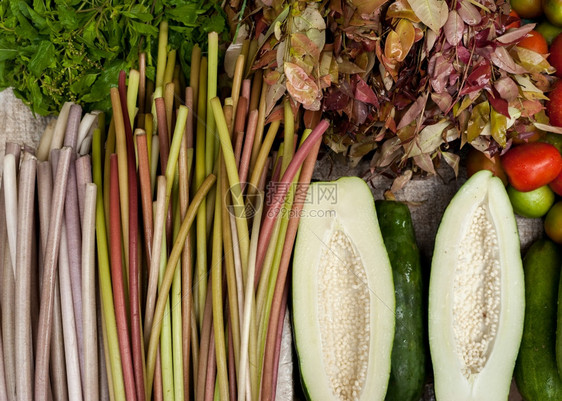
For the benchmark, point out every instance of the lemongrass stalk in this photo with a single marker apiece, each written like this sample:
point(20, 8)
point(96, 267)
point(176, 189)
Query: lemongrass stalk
point(238, 273)
point(169, 92)
point(118, 285)
point(234, 181)
point(11, 204)
point(248, 300)
point(175, 150)
point(88, 120)
point(289, 132)
point(121, 147)
point(148, 128)
point(247, 91)
point(170, 65)
point(228, 112)
point(163, 133)
point(205, 347)
point(269, 281)
point(60, 128)
point(248, 143)
point(44, 146)
point(177, 324)
point(260, 126)
point(212, 80)
point(91, 368)
point(159, 218)
point(145, 190)
point(158, 396)
point(106, 378)
point(3, 388)
point(57, 363)
point(68, 321)
point(179, 82)
point(132, 94)
point(154, 159)
point(194, 352)
point(252, 51)
point(134, 269)
point(279, 197)
point(162, 54)
point(110, 144)
point(104, 277)
point(241, 114)
point(8, 322)
point(73, 237)
point(237, 81)
point(24, 342)
point(168, 276)
point(229, 251)
point(279, 299)
point(186, 260)
point(201, 224)
point(211, 376)
point(264, 151)
point(256, 90)
point(83, 167)
point(217, 295)
point(194, 74)
point(166, 334)
point(142, 88)
point(49, 277)
point(263, 282)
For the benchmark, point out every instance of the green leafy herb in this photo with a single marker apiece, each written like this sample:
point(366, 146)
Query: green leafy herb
point(53, 51)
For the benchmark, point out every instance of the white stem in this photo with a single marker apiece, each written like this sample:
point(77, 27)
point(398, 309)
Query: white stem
point(91, 368)
point(11, 202)
point(68, 323)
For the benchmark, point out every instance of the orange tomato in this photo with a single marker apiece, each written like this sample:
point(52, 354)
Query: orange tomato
point(534, 41)
point(516, 23)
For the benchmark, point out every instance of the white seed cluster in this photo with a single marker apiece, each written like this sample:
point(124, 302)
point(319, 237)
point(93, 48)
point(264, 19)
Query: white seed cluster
point(477, 293)
point(344, 308)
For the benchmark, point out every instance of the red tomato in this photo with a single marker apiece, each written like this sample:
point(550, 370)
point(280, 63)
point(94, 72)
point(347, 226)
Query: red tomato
point(531, 165)
point(476, 161)
point(554, 105)
point(516, 23)
point(556, 184)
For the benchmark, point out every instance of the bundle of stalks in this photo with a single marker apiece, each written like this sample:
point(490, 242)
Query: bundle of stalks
point(167, 277)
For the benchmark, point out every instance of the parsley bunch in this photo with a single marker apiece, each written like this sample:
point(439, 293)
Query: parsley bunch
point(53, 51)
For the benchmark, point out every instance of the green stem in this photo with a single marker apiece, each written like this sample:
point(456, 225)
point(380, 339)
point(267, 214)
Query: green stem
point(234, 181)
point(105, 276)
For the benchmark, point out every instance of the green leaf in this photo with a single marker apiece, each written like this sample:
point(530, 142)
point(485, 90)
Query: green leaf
point(68, 17)
point(433, 13)
point(498, 124)
point(144, 29)
point(84, 83)
point(43, 58)
point(478, 119)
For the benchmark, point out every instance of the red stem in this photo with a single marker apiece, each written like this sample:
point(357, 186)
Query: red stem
point(134, 275)
point(279, 198)
point(117, 279)
point(248, 143)
point(277, 306)
point(211, 369)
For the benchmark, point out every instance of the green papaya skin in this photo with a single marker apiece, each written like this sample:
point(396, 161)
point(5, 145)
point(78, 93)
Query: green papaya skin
point(407, 375)
point(535, 372)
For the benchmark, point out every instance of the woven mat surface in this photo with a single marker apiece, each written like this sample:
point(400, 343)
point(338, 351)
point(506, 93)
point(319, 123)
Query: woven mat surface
point(427, 197)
